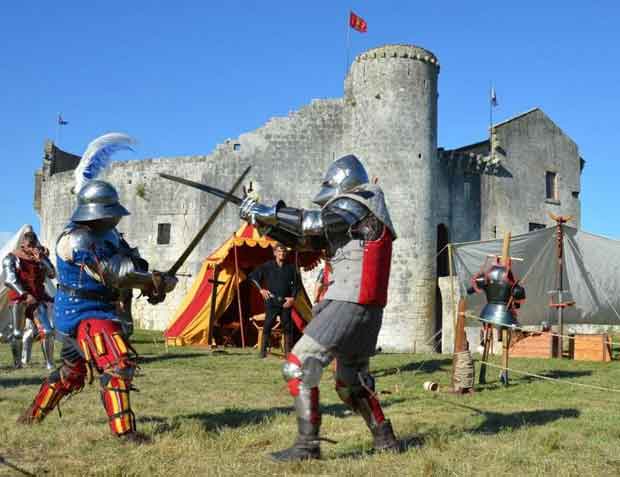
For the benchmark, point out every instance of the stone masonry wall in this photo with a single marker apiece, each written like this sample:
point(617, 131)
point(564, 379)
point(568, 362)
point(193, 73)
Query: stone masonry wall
point(391, 124)
point(288, 155)
point(533, 145)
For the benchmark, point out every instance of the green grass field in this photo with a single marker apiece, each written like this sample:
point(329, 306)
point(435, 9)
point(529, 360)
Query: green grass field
point(218, 414)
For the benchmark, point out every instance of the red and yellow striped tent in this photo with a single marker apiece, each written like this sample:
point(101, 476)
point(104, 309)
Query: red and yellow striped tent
point(235, 299)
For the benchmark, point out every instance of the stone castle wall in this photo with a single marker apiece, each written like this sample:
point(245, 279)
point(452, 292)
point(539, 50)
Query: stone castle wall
point(388, 118)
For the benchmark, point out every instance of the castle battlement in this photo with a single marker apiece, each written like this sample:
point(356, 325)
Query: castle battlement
point(399, 51)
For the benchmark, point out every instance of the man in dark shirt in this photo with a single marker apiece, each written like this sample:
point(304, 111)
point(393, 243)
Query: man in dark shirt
point(278, 284)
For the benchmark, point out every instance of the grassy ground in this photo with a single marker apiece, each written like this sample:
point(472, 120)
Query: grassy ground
point(217, 414)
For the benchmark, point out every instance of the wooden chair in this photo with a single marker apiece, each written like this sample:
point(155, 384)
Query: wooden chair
point(259, 321)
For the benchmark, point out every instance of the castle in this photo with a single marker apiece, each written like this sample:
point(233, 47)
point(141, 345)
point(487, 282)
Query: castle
point(388, 118)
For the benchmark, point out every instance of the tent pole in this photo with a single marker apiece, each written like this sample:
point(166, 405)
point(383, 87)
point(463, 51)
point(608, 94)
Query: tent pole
point(214, 284)
point(239, 296)
point(560, 221)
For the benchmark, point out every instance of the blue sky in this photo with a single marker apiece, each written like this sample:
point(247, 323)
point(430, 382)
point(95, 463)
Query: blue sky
point(183, 76)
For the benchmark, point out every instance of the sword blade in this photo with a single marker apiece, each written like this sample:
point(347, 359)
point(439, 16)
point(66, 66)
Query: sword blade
point(228, 196)
point(205, 188)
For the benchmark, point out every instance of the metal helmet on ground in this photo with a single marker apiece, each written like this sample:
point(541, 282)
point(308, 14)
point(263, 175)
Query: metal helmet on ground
point(343, 175)
point(98, 200)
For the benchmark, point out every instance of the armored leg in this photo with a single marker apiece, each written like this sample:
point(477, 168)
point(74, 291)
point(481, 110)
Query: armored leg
point(18, 322)
point(30, 333)
point(104, 346)
point(46, 332)
point(302, 371)
point(67, 379)
point(356, 387)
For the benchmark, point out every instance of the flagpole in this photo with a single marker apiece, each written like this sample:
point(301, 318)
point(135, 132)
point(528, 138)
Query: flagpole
point(348, 44)
point(490, 107)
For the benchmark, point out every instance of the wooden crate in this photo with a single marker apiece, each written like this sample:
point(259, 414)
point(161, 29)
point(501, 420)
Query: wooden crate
point(592, 348)
point(534, 345)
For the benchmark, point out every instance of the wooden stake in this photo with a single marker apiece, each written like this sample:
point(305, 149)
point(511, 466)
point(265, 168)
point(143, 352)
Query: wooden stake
point(486, 343)
point(506, 249)
point(506, 336)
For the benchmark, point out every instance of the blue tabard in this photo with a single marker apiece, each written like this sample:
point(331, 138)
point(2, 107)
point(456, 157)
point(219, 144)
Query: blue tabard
point(70, 310)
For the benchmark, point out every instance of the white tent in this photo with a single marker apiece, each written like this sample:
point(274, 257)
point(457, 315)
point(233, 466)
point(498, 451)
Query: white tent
point(591, 274)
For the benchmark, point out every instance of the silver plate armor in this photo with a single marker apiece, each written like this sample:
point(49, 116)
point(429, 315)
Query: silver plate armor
point(343, 175)
point(10, 264)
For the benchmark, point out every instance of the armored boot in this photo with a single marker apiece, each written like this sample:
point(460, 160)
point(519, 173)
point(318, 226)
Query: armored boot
point(384, 438)
point(381, 429)
point(305, 447)
point(363, 401)
point(307, 444)
point(27, 341)
point(47, 345)
point(16, 350)
point(60, 383)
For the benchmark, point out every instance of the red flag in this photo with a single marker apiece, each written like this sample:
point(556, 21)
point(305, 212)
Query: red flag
point(357, 23)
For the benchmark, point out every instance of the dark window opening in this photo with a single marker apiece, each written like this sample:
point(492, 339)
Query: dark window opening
point(575, 194)
point(163, 234)
point(494, 231)
point(535, 226)
point(236, 146)
point(551, 183)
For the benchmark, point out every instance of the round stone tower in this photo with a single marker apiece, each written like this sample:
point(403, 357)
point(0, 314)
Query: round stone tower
point(391, 125)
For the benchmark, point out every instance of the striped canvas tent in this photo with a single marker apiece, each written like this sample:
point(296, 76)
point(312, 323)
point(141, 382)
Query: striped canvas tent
point(232, 303)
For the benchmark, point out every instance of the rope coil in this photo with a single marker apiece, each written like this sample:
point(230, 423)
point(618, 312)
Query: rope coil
point(464, 371)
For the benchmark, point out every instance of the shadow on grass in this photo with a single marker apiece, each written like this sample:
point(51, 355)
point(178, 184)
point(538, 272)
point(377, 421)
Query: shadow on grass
point(13, 382)
point(235, 418)
point(524, 379)
point(494, 422)
point(168, 356)
point(426, 366)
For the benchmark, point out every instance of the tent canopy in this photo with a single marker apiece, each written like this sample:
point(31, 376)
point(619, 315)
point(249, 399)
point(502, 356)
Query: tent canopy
point(228, 264)
point(591, 274)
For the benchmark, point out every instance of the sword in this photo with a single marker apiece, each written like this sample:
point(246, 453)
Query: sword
point(227, 196)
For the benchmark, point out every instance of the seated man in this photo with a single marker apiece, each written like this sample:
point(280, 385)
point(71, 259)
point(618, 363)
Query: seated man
point(281, 285)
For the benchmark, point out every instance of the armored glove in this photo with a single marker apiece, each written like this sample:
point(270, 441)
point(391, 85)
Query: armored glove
point(256, 213)
point(162, 284)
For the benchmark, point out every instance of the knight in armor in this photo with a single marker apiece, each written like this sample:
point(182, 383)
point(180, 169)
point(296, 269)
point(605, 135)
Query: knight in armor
point(25, 271)
point(354, 228)
point(94, 265)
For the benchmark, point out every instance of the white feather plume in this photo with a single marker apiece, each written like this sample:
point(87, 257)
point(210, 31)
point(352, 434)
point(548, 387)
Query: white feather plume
point(97, 156)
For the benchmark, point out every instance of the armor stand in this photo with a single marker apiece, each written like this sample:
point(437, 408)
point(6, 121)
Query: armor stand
point(506, 336)
point(486, 343)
